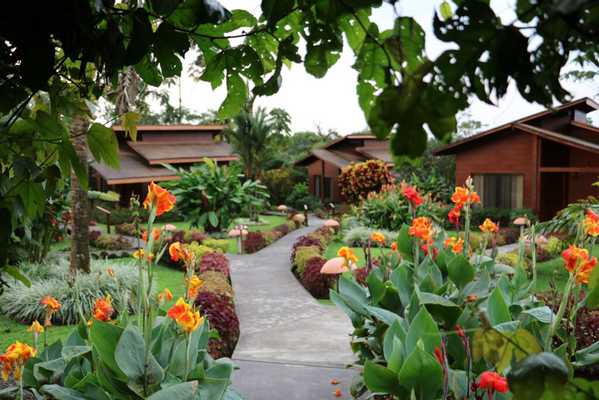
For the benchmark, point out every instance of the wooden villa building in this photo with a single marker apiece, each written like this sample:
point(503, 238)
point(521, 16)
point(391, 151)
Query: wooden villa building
point(141, 161)
point(325, 164)
point(543, 161)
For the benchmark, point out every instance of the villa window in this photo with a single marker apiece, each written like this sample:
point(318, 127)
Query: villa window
point(328, 184)
point(317, 185)
point(499, 190)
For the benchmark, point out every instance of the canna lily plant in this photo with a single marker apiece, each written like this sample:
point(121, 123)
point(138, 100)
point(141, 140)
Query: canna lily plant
point(155, 354)
point(439, 320)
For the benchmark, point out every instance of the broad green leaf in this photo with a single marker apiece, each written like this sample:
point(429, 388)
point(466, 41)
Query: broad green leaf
point(103, 145)
point(376, 287)
point(141, 36)
point(62, 393)
point(460, 271)
point(104, 337)
point(396, 330)
point(236, 97)
point(537, 373)
point(341, 303)
point(379, 379)
point(70, 352)
point(182, 391)
point(16, 274)
point(130, 356)
point(129, 120)
point(401, 277)
point(445, 10)
point(497, 308)
point(542, 314)
point(213, 218)
point(32, 196)
point(217, 379)
point(274, 10)
point(386, 316)
point(422, 373)
point(148, 71)
point(395, 360)
point(440, 307)
point(405, 245)
point(592, 300)
point(520, 345)
point(488, 344)
point(587, 356)
point(423, 328)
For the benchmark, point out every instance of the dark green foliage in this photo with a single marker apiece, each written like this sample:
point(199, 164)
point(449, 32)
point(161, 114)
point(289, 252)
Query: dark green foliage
point(566, 220)
point(111, 242)
point(212, 196)
point(300, 196)
point(127, 228)
point(503, 216)
point(280, 183)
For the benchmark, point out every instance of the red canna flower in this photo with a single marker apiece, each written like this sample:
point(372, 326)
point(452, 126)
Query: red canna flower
point(411, 194)
point(422, 228)
point(159, 197)
point(454, 215)
point(439, 356)
point(493, 382)
point(591, 224)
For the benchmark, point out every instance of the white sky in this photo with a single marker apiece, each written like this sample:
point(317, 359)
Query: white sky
point(331, 102)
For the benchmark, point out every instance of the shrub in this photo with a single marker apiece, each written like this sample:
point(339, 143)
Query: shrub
point(22, 303)
point(127, 228)
point(253, 242)
point(360, 235)
point(220, 311)
point(216, 282)
point(300, 196)
point(283, 229)
point(356, 181)
point(219, 244)
point(280, 183)
point(510, 258)
point(193, 235)
point(360, 274)
point(199, 250)
point(302, 255)
point(305, 241)
point(555, 246)
point(510, 234)
point(111, 242)
point(316, 283)
point(271, 236)
point(215, 261)
point(291, 226)
point(542, 253)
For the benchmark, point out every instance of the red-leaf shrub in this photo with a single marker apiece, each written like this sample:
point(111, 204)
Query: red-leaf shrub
point(214, 261)
point(283, 228)
point(220, 311)
point(316, 283)
point(306, 240)
point(361, 274)
point(253, 242)
point(357, 180)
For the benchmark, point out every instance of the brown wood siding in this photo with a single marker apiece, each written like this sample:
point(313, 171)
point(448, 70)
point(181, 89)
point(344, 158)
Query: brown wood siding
point(330, 171)
point(580, 184)
point(509, 153)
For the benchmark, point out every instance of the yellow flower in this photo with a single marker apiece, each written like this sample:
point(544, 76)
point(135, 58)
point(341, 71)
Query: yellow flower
point(36, 328)
point(12, 361)
point(377, 237)
point(189, 321)
point(140, 254)
point(348, 254)
point(165, 295)
point(591, 224)
point(193, 286)
point(489, 226)
point(456, 245)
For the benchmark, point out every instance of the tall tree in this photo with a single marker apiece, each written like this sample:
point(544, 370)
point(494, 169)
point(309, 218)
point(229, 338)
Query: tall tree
point(251, 134)
point(79, 201)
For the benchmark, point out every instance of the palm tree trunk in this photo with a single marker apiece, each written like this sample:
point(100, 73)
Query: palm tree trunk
point(79, 200)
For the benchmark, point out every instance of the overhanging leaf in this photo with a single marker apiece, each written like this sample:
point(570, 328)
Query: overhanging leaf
point(103, 145)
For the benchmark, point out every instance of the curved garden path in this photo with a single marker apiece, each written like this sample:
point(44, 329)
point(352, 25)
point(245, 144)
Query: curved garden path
point(291, 346)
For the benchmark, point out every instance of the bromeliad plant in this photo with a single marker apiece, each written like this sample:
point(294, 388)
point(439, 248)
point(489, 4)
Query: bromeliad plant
point(438, 320)
point(156, 354)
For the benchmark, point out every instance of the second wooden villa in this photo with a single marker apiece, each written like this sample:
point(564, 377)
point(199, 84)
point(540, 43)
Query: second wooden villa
point(542, 162)
point(141, 161)
point(325, 164)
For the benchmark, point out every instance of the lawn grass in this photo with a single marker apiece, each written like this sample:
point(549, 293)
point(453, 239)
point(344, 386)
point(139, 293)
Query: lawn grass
point(11, 330)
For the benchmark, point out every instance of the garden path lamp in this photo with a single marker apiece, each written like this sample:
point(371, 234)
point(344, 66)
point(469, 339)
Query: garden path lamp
point(238, 232)
point(306, 213)
point(299, 219)
point(332, 224)
point(335, 266)
point(283, 208)
point(521, 222)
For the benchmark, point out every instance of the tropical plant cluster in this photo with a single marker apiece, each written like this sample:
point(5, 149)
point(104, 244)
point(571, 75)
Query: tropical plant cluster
point(357, 180)
point(159, 352)
point(301, 197)
point(439, 319)
point(105, 241)
point(212, 197)
point(307, 258)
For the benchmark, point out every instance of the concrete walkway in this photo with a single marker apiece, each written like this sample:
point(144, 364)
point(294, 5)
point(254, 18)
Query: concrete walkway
point(291, 346)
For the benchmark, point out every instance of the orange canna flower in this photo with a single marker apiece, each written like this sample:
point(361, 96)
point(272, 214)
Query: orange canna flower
point(35, 327)
point(456, 245)
point(189, 321)
point(159, 197)
point(591, 224)
point(578, 262)
point(348, 254)
point(334, 382)
point(14, 358)
point(584, 271)
point(165, 295)
point(377, 237)
point(110, 272)
point(179, 252)
point(394, 246)
point(462, 195)
point(139, 254)
point(422, 228)
point(103, 310)
point(179, 308)
point(489, 226)
point(193, 286)
point(471, 298)
point(338, 393)
point(439, 356)
point(493, 382)
point(52, 305)
point(155, 235)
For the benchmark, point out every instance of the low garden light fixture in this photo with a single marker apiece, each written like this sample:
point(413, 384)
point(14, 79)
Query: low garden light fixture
point(334, 266)
point(283, 208)
point(238, 232)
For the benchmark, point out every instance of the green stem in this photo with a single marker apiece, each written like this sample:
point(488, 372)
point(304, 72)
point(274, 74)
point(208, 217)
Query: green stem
point(533, 245)
point(187, 356)
point(560, 312)
point(21, 386)
point(466, 229)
